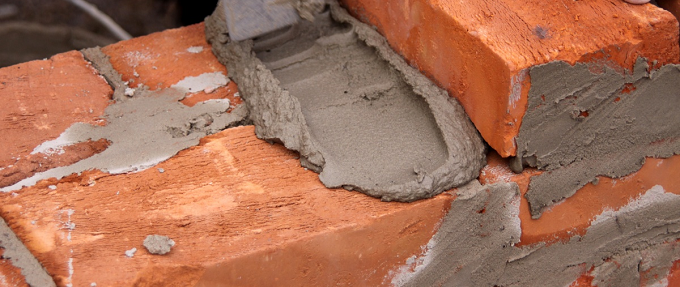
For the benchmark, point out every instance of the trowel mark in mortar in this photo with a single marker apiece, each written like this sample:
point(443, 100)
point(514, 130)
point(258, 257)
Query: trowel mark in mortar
point(477, 249)
point(144, 131)
point(581, 124)
point(358, 114)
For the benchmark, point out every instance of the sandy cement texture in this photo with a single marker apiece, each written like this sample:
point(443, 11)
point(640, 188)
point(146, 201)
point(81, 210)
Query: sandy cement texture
point(588, 120)
point(20, 257)
point(144, 127)
point(158, 244)
point(334, 91)
point(475, 246)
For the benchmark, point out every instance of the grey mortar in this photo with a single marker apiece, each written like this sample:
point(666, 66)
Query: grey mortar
point(102, 64)
point(143, 130)
point(19, 256)
point(354, 110)
point(158, 244)
point(475, 245)
point(612, 140)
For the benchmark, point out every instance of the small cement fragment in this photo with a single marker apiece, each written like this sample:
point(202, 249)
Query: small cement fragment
point(355, 110)
point(21, 257)
point(144, 130)
point(158, 244)
point(130, 253)
point(205, 81)
point(475, 246)
point(195, 49)
point(588, 120)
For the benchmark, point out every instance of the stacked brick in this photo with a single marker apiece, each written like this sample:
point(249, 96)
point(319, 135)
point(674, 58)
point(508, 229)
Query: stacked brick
point(485, 54)
point(243, 212)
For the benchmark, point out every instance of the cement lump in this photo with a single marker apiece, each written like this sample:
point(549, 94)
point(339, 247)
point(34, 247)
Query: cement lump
point(158, 244)
point(144, 130)
point(589, 120)
point(353, 109)
point(475, 246)
point(20, 257)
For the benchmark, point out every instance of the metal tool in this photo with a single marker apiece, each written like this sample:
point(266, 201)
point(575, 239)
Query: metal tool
point(251, 18)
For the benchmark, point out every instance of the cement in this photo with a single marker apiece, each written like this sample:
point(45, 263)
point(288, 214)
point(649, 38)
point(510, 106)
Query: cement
point(143, 130)
point(158, 244)
point(34, 274)
point(475, 244)
point(101, 63)
point(352, 108)
point(580, 124)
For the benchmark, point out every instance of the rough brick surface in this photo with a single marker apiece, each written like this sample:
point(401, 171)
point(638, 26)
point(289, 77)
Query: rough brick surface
point(480, 50)
point(237, 208)
point(162, 59)
point(41, 99)
point(10, 276)
point(244, 212)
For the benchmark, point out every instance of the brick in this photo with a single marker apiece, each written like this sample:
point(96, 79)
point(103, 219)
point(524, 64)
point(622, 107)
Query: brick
point(480, 50)
point(162, 59)
point(574, 215)
point(674, 275)
point(28, 165)
point(10, 276)
point(240, 210)
point(41, 99)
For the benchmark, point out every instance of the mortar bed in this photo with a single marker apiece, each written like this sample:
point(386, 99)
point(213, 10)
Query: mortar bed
point(356, 112)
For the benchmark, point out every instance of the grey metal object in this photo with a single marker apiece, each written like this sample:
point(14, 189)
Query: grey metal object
point(250, 18)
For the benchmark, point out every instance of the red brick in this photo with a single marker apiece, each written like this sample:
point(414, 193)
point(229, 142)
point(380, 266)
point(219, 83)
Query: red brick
point(479, 50)
point(235, 205)
point(41, 99)
point(162, 59)
point(10, 276)
point(573, 215)
point(674, 275)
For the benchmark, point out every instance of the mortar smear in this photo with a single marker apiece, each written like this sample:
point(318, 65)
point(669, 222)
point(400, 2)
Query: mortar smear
point(589, 120)
point(334, 91)
point(475, 246)
point(21, 257)
point(144, 130)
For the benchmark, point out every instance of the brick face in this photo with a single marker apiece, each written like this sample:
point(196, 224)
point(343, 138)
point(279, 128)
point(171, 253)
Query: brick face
point(573, 215)
point(222, 202)
point(479, 50)
point(43, 98)
point(10, 276)
point(162, 59)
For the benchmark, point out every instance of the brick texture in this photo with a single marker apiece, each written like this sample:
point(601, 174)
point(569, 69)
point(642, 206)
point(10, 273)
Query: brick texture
point(480, 50)
point(573, 215)
point(41, 99)
point(10, 276)
point(237, 208)
point(162, 59)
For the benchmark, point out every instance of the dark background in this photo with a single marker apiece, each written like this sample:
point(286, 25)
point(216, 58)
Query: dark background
point(36, 29)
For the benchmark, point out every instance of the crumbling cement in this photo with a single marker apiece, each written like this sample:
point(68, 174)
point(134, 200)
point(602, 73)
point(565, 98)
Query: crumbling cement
point(158, 244)
point(20, 257)
point(143, 130)
point(581, 124)
point(353, 108)
point(475, 244)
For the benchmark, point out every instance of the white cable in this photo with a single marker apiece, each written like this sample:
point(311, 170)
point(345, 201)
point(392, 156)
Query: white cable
point(102, 18)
